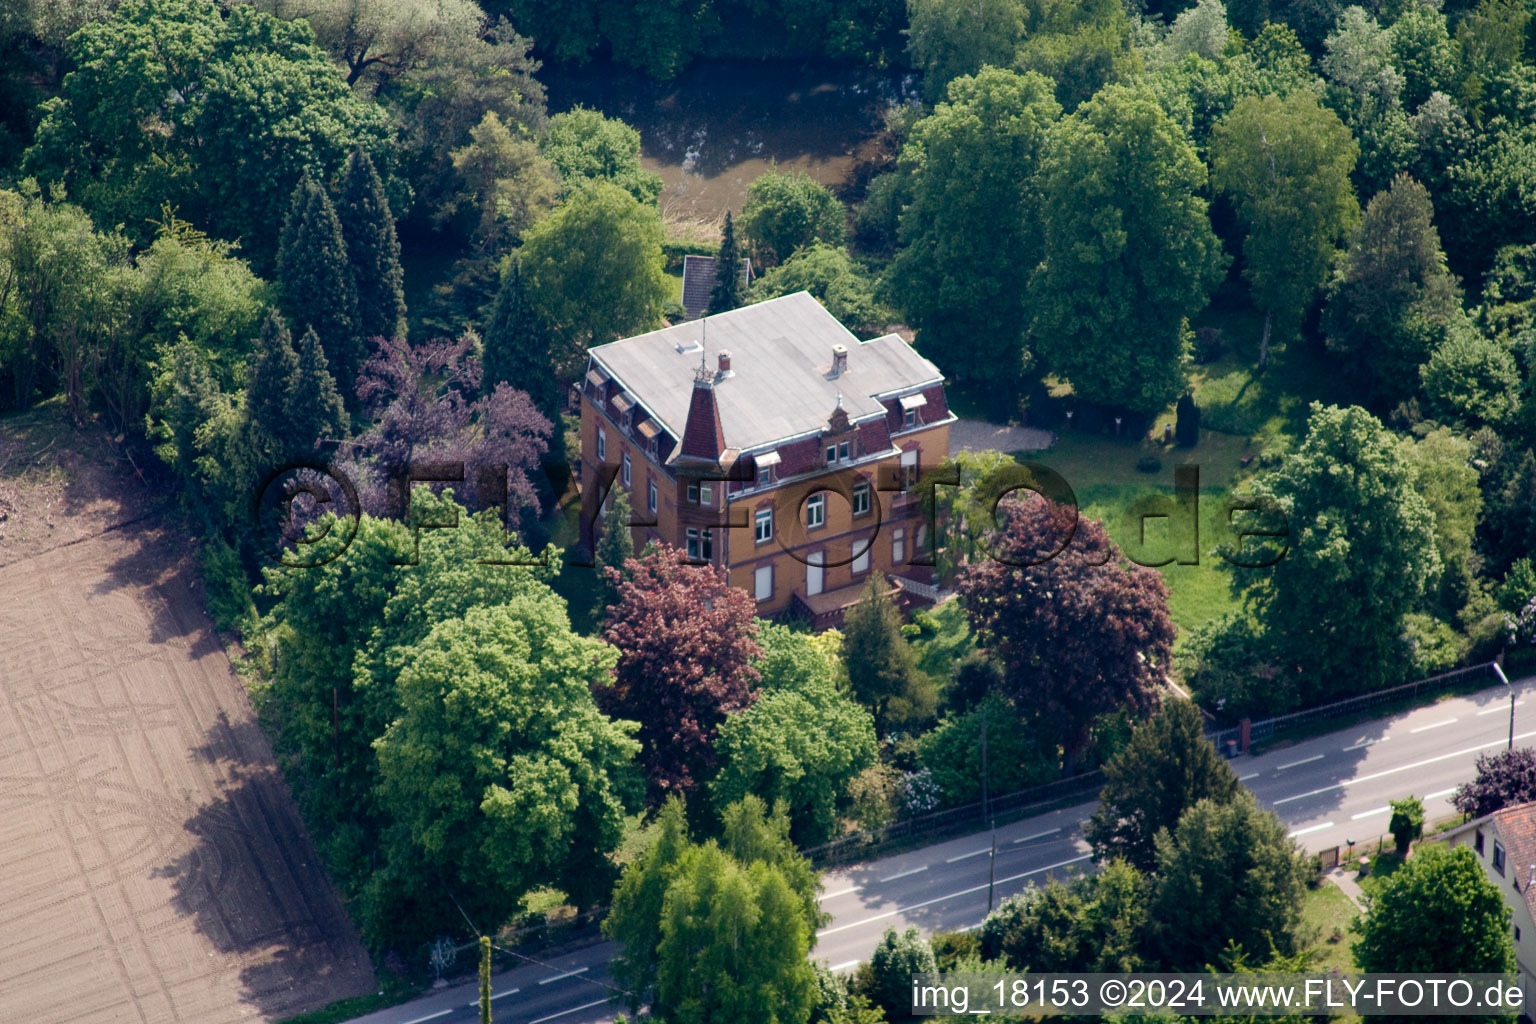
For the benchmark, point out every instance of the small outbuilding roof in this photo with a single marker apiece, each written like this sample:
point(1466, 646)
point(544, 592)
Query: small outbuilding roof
point(699, 282)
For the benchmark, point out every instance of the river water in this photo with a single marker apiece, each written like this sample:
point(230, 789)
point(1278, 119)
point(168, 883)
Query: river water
point(720, 123)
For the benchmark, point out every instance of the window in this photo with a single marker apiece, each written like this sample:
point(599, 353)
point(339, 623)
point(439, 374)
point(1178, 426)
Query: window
point(909, 418)
point(706, 494)
point(629, 421)
point(693, 491)
point(861, 554)
point(693, 543)
point(842, 452)
point(707, 549)
point(898, 547)
point(650, 495)
point(831, 454)
point(626, 470)
point(909, 470)
point(762, 582)
point(650, 446)
point(602, 445)
point(1517, 933)
point(816, 511)
point(861, 498)
point(1477, 841)
point(764, 476)
point(1498, 857)
point(763, 525)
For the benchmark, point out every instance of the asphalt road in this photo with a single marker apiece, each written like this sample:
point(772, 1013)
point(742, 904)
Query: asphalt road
point(1328, 789)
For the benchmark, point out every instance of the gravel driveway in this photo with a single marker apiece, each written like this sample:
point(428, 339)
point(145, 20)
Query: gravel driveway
point(979, 435)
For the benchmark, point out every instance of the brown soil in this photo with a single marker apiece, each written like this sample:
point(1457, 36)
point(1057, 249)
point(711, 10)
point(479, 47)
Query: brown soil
point(153, 866)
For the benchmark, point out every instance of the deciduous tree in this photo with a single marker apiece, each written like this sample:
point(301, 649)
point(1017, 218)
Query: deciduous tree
point(1503, 779)
point(949, 39)
point(1438, 912)
point(686, 641)
point(785, 212)
point(1286, 164)
point(1129, 255)
point(587, 146)
point(1079, 631)
point(842, 285)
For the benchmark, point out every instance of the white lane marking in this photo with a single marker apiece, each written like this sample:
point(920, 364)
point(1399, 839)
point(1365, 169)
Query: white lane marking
point(1039, 835)
point(432, 1016)
point(496, 996)
point(840, 892)
point(1250, 775)
point(1499, 707)
point(574, 1009)
point(844, 967)
point(1403, 768)
point(950, 896)
point(1368, 814)
point(1305, 760)
point(562, 977)
point(1443, 792)
point(1434, 725)
point(1366, 743)
point(1314, 828)
point(973, 853)
point(904, 874)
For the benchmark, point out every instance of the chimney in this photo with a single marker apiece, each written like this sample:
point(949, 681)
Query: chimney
point(839, 360)
point(725, 363)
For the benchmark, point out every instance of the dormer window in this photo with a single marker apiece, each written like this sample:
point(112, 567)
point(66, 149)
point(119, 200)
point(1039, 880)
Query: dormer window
point(765, 463)
point(909, 417)
point(911, 409)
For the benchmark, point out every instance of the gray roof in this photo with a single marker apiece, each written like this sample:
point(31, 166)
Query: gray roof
point(780, 384)
point(699, 281)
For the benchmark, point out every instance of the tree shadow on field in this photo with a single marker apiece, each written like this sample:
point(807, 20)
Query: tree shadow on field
point(254, 885)
point(158, 559)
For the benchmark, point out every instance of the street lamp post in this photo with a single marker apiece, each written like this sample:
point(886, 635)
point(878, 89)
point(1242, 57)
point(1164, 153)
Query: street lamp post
point(1498, 670)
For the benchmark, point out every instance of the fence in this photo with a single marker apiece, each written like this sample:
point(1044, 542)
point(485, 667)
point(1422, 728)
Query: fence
point(956, 821)
point(1268, 728)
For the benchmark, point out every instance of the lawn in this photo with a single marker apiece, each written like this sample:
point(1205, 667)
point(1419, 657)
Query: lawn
point(1325, 916)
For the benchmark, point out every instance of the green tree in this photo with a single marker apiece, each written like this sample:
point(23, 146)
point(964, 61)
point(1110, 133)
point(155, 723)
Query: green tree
point(1226, 874)
point(800, 746)
point(1097, 923)
point(373, 250)
point(1447, 479)
point(1438, 912)
point(1471, 379)
point(317, 411)
point(500, 773)
point(1407, 823)
point(1422, 50)
point(594, 270)
point(718, 931)
point(948, 39)
point(785, 212)
point(1390, 292)
point(897, 957)
point(1082, 47)
point(318, 287)
point(837, 281)
point(1286, 164)
point(1020, 751)
point(968, 237)
point(175, 101)
point(1167, 767)
point(1129, 255)
point(615, 547)
point(587, 146)
point(1360, 554)
point(272, 390)
point(516, 349)
point(727, 293)
point(505, 183)
point(882, 673)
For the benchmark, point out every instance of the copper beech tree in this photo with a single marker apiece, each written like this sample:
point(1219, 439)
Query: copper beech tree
point(1078, 629)
point(686, 641)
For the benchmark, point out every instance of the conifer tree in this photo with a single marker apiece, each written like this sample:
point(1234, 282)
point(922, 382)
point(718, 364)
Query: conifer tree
point(617, 544)
point(728, 291)
point(882, 671)
point(517, 350)
point(317, 282)
point(315, 408)
point(274, 377)
point(373, 250)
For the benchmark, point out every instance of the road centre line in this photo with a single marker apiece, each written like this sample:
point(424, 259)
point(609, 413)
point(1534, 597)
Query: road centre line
point(1305, 760)
point(432, 1016)
point(498, 995)
point(840, 892)
point(1309, 831)
point(1401, 768)
point(973, 853)
point(1038, 835)
point(562, 977)
point(1250, 775)
point(1370, 813)
point(1434, 725)
point(1497, 708)
point(904, 874)
point(1366, 743)
point(1443, 792)
point(949, 896)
